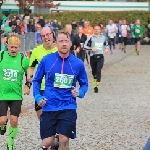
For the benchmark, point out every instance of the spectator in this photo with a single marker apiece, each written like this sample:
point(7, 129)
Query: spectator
point(54, 26)
point(0, 22)
point(81, 23)
point(46, 23)
point(59, 26)
point(50, 22)
point(7, 29)
point(17, 28)
point(3, 44)
point(5, 17)
point(38, 39)
point(74, 26)
point(31, 26)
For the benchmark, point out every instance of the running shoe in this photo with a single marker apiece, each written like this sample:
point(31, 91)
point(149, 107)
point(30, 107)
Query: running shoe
point(3, 128)
point(137, 52)
point(96, 89)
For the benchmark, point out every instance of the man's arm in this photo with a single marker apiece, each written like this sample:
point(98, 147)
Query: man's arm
point(87, 45)
point(116, 29)
point(141, 31)
point(32, 65)
point(40, 72)
point(83, 81)
point(77, 43)
point(133, 31)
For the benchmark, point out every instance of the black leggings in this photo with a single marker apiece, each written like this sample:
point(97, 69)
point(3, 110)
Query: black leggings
point(96, 65)
point(81, 55)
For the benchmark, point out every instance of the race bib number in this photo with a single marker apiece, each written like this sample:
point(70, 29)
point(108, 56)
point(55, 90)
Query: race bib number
point(10, 74)
point(137, 31)
point(99, 45)
point(63, 80)
point(111, 36)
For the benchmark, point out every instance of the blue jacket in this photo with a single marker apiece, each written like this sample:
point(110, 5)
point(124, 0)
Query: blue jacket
point(59, 98)
point(38, 39)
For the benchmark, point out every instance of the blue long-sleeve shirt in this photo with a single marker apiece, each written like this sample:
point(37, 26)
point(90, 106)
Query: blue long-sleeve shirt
point(59, 98)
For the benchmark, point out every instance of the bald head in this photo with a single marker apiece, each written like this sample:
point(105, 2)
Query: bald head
point(47, 37)
point(45, 30)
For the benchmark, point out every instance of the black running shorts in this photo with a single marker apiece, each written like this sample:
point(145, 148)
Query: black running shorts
point(14, 105)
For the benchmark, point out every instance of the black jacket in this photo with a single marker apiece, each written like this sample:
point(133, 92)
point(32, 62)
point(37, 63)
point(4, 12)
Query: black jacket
point(75, 41)
point(82, 39)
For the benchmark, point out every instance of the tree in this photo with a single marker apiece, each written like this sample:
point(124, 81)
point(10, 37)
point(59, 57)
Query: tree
point(25, 4)
point(1, 3)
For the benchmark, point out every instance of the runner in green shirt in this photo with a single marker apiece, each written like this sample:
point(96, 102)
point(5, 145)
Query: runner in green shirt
point(137, 32)
point(13, 65)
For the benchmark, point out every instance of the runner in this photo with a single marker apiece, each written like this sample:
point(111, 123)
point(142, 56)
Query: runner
point(95, 44)
point(62, 70)
point(88, 31)
point(119, 34)
point(124, 33)
point(137, 32)
point(75, 40)
point(111, 29)
point(37, 54)
point(13, 65)
point(83, 38)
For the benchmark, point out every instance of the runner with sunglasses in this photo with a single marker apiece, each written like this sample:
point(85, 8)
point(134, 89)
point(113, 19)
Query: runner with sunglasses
point(38, 53)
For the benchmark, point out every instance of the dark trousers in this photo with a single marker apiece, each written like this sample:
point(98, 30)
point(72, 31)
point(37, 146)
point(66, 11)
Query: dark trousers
point(81, 55)
point(96, 65)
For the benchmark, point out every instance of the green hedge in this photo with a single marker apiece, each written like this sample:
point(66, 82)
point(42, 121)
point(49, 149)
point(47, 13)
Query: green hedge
point(96, 17)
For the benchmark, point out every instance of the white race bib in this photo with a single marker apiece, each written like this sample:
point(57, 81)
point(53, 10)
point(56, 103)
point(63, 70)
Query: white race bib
point(63, 80)
point(111, 36)
point(99, 46)
point(137, 31)
point(10, 74)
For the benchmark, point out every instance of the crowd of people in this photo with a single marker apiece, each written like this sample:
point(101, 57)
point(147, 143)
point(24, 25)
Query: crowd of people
point(58, 60)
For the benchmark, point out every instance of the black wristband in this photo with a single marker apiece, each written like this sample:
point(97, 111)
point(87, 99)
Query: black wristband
point(28, 84)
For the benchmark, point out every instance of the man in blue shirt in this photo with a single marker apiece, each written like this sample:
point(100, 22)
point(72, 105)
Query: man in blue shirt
point(61, 70)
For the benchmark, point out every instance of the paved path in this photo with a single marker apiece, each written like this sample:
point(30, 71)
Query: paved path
point(116, 118)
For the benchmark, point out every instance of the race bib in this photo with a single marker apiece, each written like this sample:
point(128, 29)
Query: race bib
point(111, 36)
point(99, 45)
point(119, 35)
point(137, 31)
point(10, 74)
point(63, 80)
